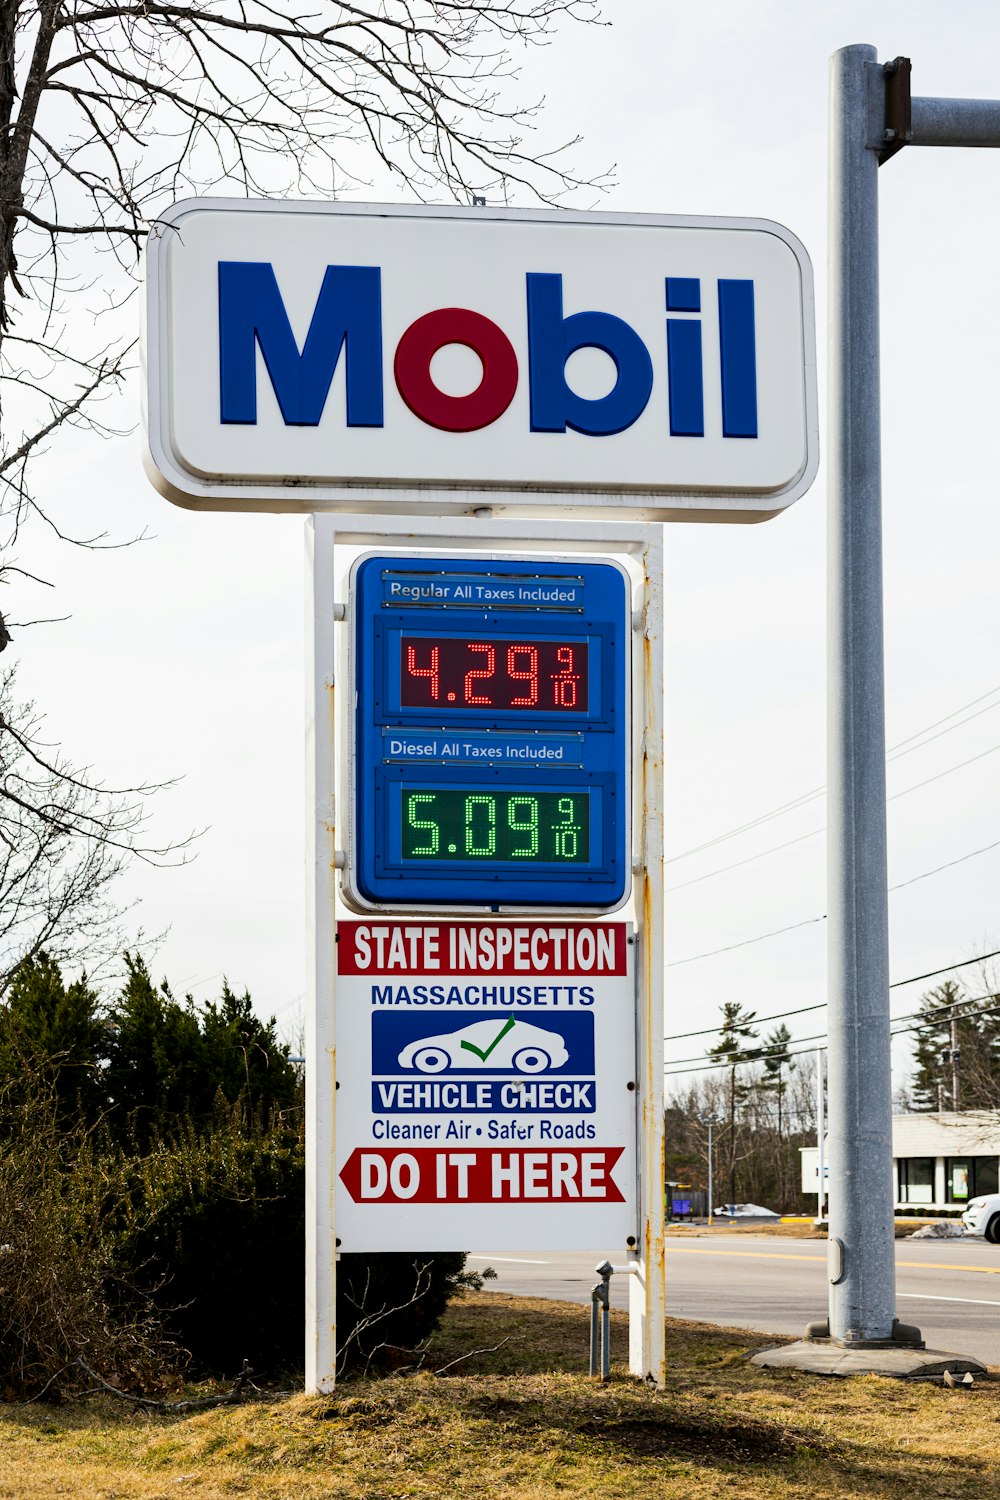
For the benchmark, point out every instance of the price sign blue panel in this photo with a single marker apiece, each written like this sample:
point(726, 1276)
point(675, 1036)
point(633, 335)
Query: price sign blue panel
point(491, 742)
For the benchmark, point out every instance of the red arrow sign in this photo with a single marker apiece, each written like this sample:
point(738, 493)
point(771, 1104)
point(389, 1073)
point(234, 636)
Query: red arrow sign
point(519, 1175)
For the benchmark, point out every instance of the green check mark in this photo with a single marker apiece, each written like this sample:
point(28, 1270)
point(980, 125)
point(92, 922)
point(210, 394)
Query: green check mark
point(471, 1046)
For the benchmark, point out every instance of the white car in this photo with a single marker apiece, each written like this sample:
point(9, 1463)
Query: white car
point(499, 1043)
point(982, 1216)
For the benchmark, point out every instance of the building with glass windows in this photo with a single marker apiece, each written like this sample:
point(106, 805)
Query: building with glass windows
point(944, 1160)
point(939, 1161)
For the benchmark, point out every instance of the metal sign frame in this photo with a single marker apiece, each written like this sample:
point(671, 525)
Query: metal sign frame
point(333, 543)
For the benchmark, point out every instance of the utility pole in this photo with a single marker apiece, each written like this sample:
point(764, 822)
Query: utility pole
point(711, 1121)
point(872, 118)
point(955, 1056)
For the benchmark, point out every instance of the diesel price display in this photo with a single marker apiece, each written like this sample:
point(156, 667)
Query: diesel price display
point(491, 733)
point(441, 823)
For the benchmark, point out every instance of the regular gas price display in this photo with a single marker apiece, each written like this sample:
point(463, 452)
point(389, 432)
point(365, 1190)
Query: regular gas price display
point(491, 733)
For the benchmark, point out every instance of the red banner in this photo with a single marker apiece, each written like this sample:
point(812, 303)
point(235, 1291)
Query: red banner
point(518, 1175)
point(429, 948)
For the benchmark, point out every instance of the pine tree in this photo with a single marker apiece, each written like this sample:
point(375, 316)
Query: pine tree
point(171, 1061)
point(243, 1058)
point(777, 1063)
point(52, 1033)
point(736, 1031)
point(156, 1062)
point(777, 1059)
point(951, 1022)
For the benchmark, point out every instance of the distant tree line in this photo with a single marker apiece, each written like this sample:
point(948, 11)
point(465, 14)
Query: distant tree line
point(762, 1106)
point(761, 1099)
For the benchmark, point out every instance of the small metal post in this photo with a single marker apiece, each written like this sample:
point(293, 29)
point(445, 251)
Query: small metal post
point(601, 1297)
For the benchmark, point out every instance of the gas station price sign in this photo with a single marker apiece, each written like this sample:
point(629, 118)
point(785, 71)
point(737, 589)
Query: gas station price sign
point(491, 735)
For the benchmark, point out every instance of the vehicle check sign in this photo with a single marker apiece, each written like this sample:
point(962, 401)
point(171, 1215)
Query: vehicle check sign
point(485, 1085)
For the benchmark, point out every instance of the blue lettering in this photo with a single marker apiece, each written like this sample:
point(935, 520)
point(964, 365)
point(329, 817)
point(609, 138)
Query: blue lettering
point(347, 316)
point(553, 338)
point(739, 359)
point(684, 368)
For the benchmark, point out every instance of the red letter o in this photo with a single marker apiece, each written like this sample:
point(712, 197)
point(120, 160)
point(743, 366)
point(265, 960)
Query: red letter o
point(418, 346)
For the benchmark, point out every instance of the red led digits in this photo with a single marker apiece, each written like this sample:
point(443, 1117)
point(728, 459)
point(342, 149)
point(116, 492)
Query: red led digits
point(531, 675)
point(503, 675)
point(433, 672)
point(565, 682)
point(480, 699)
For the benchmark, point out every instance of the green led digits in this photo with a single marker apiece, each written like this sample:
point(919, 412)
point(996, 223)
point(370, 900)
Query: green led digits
point(523, 817)
point(480, 826)
point(567, 831)
point(413, 802)
point(459, 824)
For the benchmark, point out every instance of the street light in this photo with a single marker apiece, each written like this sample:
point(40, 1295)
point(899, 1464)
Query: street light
point(710, 1121)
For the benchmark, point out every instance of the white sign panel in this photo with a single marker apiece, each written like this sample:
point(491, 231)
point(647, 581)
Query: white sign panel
point(309, 356)
point(486, 1086)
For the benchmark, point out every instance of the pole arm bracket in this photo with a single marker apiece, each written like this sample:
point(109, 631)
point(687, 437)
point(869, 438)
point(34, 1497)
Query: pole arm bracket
point(898, 131)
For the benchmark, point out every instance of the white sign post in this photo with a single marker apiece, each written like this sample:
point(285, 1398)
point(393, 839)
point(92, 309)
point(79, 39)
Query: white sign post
point(569, 1154)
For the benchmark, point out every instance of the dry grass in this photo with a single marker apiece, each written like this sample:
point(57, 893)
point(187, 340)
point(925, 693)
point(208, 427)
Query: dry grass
point(788, 1231)
point(523, 1423)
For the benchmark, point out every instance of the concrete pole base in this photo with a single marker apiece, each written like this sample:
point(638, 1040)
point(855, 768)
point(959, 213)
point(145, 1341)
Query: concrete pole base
point(906, 1334)
point(894, 1359)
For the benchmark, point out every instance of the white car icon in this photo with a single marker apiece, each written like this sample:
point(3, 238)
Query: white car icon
point(496, 1043)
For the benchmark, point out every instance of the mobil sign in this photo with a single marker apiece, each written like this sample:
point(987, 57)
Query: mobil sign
point(309, 356)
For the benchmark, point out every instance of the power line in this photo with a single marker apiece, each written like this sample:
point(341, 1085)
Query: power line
point(811, 921)
point(963, 963)
point(783, 1015)
point(677, 1066)
point(777, 848)
point(745, 942)
point(895, 752)
point(682, 1036)
point(952, 862)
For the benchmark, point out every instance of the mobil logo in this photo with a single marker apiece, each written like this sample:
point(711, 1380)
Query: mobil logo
point(330, 356)
point(346, 325)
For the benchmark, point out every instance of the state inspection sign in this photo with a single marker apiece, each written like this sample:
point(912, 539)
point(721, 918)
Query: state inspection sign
point(486, 1085)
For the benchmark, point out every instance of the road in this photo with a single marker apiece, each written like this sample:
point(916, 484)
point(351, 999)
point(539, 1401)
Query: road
point(949, 1288)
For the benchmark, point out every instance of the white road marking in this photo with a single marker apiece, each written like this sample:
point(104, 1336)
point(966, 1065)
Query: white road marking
point(509, 1260)
point(931, 1297)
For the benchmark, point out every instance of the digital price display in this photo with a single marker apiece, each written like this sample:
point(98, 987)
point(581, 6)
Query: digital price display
point(474, 825)
point(440, 671)
point(491, 735)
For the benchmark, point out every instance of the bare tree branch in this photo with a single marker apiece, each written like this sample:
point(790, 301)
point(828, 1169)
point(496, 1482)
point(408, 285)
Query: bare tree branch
point(108, 113)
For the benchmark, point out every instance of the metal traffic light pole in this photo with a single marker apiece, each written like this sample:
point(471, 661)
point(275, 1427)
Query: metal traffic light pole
point(872, 117)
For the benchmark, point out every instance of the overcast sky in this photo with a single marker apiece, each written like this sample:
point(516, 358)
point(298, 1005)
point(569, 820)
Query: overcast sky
point(184, 656)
